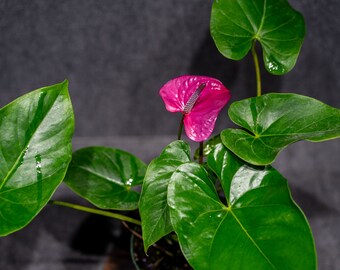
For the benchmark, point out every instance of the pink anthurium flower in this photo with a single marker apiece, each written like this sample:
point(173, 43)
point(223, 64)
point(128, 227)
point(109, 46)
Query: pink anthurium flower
point(199, 99)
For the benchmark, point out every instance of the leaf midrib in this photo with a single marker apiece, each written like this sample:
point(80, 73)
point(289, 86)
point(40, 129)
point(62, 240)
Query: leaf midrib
point(251, 239)
point(111, 180)
point(262, 19)
point(22, 152)
point(215, 234)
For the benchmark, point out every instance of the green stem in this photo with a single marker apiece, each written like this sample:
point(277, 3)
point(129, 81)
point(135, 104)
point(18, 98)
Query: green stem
point(96, 211)
point(180, 129)
point(257, 69)
point(200, 161)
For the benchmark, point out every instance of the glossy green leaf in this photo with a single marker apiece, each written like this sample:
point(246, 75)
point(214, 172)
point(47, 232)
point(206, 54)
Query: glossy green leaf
point(236, 24)
point(260, 228)
point(273, 121)
point(224, 164)
point(106, 177)
point(208, 146)
point(35, 150)
point(153, 206)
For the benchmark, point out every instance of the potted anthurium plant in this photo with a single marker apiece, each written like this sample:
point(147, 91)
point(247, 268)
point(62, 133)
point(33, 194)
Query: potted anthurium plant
point(225, 206)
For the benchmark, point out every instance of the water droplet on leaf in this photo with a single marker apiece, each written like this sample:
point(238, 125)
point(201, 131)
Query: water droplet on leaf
point(129, 182)
point(274, 66)
point(38, 167)
point(24, 153)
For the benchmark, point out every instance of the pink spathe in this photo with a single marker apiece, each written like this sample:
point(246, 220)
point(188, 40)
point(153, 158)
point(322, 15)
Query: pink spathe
point(199, 122)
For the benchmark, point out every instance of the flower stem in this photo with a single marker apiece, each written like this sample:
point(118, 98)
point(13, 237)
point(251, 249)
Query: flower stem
point(200, 161)
point(257, 69)
point(180, 129)
point(96, 211)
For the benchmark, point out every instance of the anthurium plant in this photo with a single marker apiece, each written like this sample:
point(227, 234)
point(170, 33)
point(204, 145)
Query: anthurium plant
point(224, 204)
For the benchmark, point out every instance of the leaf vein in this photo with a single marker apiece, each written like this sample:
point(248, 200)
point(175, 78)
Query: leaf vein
point(252, 240)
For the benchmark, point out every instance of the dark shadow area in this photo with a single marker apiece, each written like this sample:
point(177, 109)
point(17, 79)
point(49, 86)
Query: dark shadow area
point(93, 236)
point(104, 237)
point(208, 61)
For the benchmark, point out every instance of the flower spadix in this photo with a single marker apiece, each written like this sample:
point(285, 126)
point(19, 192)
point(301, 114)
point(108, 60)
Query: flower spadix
point(199, 99)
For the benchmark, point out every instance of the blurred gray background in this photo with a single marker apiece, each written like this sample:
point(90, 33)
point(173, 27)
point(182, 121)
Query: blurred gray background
point(116, 55)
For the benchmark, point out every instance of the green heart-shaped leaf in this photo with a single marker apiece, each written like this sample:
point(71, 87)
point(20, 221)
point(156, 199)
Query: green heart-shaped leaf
point(260, 228)
point(236, 24)
point(35, 150)
point(153, 206)
point(105, 177)
point(273, 121)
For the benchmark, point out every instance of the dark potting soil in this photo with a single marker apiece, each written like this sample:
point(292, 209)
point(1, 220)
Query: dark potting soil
point(165, 255)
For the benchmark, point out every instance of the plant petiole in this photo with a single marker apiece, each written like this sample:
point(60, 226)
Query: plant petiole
point(257, 69)
point(96, 211)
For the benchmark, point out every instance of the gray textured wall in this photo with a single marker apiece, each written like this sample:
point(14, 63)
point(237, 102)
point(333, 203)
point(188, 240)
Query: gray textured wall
point(116, 55)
